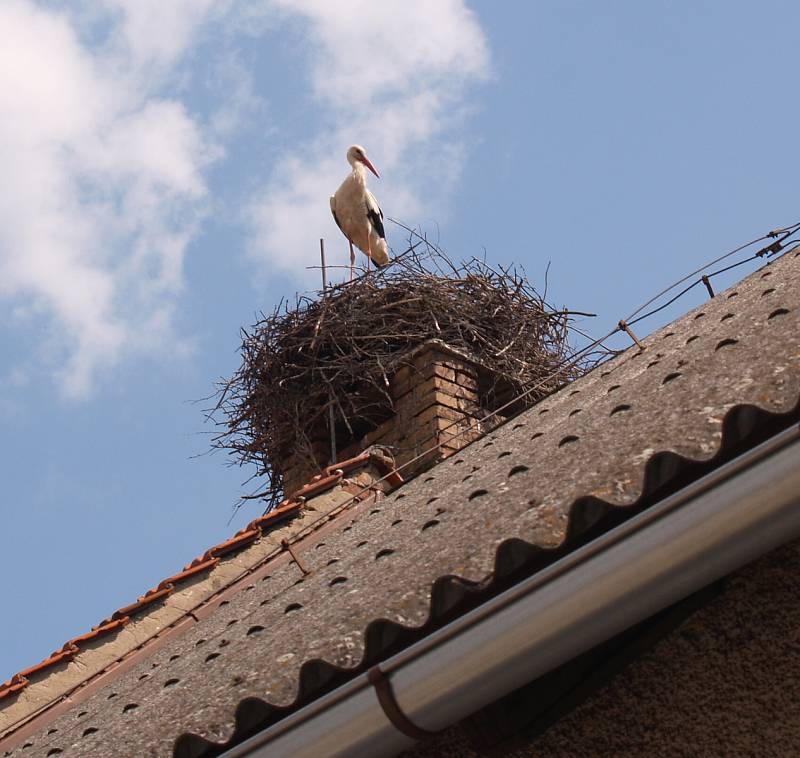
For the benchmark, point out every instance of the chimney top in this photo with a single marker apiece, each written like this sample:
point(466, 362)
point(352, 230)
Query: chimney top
point(412, 356)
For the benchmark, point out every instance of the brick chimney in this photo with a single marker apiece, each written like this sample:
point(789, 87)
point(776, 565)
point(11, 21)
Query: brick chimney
point(439, 396)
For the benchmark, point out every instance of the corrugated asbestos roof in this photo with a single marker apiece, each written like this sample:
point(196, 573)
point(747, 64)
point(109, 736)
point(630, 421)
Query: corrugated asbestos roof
point(87, 662)
point(509, 503)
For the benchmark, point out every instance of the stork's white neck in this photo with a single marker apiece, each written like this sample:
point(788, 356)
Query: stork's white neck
point(360, 173)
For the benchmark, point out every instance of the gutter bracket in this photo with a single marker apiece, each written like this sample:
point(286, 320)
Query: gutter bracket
point(383, 690)
point(286, 545)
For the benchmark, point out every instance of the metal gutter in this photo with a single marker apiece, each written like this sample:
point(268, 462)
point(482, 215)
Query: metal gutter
point(717, 524)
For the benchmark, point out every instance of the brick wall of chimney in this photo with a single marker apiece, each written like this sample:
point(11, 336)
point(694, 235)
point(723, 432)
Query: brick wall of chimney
point(437, 411)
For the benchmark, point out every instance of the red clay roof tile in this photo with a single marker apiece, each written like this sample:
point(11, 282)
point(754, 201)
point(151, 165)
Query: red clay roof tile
point(151, 596)
point(64, 654)
point(241, 539)
point(188, 572)
point(289, 508)
point(12, 686)
point(317, 485)
point(105, 627)
point(285, 510)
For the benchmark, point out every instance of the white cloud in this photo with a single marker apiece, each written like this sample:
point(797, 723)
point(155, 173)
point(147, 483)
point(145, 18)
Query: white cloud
point(153, 34)
point(101, 180)
point(104, 167)
point(390, 75)
point(242, 106)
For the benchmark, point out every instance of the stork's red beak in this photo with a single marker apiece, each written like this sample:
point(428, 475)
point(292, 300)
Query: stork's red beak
point(366, 161)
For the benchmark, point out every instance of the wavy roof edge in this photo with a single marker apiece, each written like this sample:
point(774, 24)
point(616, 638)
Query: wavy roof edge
point(514, 559)
point(743, 425)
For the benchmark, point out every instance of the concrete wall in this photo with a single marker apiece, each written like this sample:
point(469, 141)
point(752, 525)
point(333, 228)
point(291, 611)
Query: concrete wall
point(725, 682)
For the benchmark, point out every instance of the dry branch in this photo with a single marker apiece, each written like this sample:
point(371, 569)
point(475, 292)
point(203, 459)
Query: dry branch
point(340, 350)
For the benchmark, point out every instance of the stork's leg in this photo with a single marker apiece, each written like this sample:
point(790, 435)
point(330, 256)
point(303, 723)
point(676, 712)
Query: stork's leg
point(369, 250)
point(352, 260)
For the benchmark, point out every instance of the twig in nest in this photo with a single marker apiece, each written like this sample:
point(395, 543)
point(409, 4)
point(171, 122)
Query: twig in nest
point(342, 349)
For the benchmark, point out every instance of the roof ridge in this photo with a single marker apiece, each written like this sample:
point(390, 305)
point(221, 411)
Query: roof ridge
point(288, 509)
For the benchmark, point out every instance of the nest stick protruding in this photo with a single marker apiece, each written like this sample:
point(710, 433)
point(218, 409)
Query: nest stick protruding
point(334, 353)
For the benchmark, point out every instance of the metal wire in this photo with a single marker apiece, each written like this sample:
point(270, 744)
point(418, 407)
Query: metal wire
point(769, 250)
point(785, 233)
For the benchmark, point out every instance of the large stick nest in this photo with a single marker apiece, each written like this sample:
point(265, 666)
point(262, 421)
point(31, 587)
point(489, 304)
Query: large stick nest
point(339, 349)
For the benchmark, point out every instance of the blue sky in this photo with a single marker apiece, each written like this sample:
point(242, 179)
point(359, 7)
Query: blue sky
point(167, 168)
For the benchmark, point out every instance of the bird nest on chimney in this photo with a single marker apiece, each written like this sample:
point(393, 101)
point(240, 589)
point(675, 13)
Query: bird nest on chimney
point(339, 349)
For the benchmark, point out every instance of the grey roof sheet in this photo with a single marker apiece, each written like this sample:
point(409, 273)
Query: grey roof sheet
point(530, 488)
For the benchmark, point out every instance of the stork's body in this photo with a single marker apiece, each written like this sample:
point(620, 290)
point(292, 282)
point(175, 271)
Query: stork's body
point(357, 213)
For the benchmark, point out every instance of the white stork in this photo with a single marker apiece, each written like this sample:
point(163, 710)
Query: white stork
point(357, 213)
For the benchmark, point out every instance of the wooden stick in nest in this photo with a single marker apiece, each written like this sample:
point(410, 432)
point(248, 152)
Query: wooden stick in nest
point(336, 351)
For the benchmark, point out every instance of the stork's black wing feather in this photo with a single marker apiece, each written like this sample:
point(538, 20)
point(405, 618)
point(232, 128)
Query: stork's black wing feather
point(375, 215)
